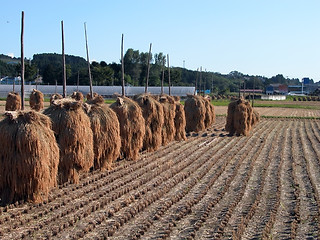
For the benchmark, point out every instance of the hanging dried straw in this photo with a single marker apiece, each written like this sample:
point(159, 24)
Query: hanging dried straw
point(210, 117)
point(169, 112)
point(195, 110)
point(36, 100)
point(77, 96)
point(132, 126)
point(73, 132)
point(13, 102)
point(89, 97)
point(54, 97)
point(29, 157)
point(106, 133)
point(239, 118)
point(255, 118)
point(180, 121)
point(152, 112)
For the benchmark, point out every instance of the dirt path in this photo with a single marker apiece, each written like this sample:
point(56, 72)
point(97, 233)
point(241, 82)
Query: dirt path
point(211, 186)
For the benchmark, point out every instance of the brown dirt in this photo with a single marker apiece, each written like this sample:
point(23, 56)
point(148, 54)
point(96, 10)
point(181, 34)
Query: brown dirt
point(281, 112)
point(209, 187)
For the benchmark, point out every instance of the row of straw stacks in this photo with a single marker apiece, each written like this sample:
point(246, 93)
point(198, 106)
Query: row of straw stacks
point(71, 136)
point(13, 102)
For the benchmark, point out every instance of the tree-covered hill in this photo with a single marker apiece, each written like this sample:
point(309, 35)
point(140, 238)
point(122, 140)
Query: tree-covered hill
point(49, 66)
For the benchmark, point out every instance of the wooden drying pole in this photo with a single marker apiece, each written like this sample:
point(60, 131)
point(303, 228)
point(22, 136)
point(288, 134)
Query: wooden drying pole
point(200, 81)
point(162, 79)
point(122, 67)
point(78, 82)
point(22, 62)
point(89, 70)
point(254, 87)
point(148, 70)
point(13, 85)
point(64, 82)
point(195, 89)
point(169, 80)
point(239, 88)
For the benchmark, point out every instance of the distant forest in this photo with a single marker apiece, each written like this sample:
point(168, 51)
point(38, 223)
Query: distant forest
point(49, 66)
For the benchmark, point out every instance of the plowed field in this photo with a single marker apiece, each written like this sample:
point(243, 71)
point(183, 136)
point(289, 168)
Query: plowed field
point(278, 112)
point(212, 186)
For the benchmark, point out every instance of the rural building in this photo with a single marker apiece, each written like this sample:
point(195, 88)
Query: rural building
point(277, 89)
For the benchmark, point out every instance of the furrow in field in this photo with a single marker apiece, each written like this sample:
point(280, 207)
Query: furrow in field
point(306, 226)
point(212, 224)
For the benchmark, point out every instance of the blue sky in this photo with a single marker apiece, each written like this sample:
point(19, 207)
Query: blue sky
point(256, 37)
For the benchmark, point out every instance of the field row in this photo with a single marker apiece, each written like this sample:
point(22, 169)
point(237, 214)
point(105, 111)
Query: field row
point(211, 186)
point(277, 112)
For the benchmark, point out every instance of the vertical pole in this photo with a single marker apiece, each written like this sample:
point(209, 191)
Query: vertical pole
point(13, 85)
point(212, 85)
point(89, 70)
point(196, 83)
point(239, 88)
point(244, 88)
point(78, 82)
point(148, 70)
point(64, 80)
point(22, 62)
point(169, 80)
point(200, 80)
point(162, 79)
point(122, 68)
point(254, 87)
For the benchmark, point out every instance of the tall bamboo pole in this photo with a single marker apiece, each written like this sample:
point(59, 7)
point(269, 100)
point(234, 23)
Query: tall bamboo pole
point(148, 70)
point(169, 80)
point(200, 80)
point(196, 83)
point(162, 79)
point(122, 67)
point(13, 85)
point(239, 88)
point(254, 87)
point(64, 82)
point(78, 82)
point(88, 60)
point(22, 62)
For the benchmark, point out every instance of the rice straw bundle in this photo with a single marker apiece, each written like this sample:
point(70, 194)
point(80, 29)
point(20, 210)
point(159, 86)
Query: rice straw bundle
point(54, 97)
point(152, 112)
point(132, 126)
point(77, 96)
point(210, 116)
point(29, 157)
point(195, 110)
point(36, 100)
point(89, 97)
point(169, 112)
point(73, 132)
point(13, 102)
point(106, 133)
point(180, 121)
point(239, 118)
